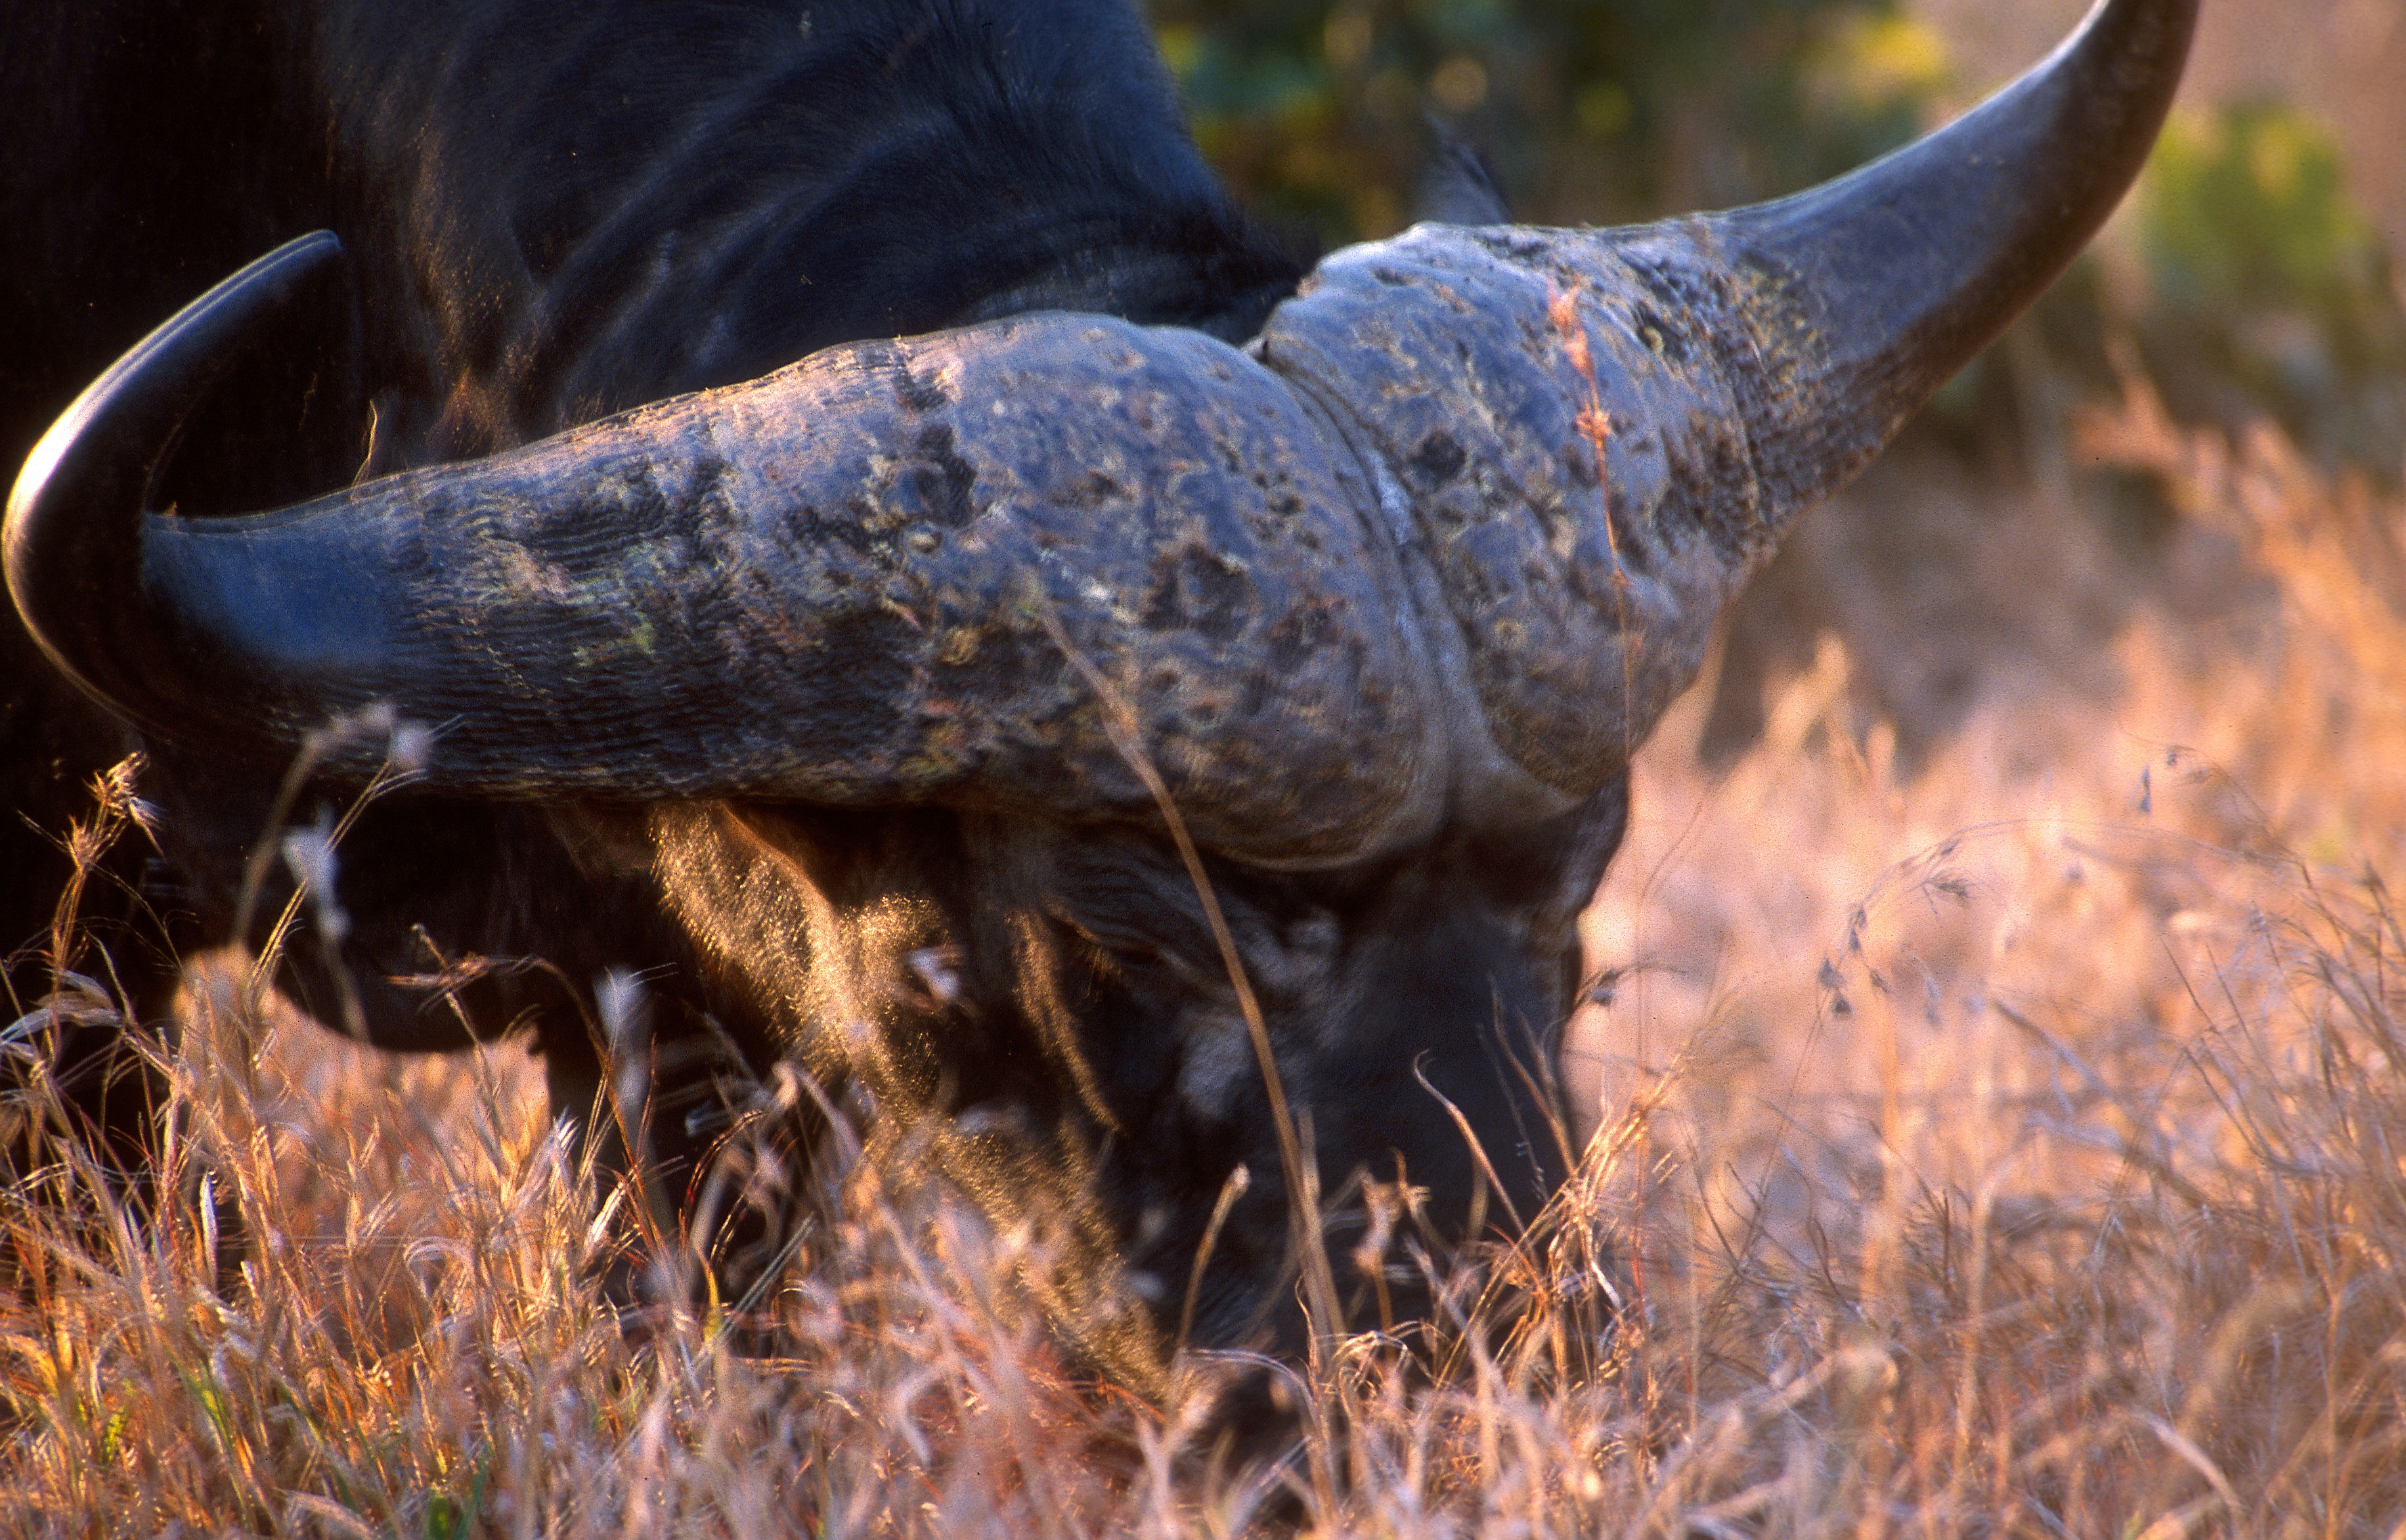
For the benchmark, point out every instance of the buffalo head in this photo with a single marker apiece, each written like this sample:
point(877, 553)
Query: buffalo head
point(927, 648)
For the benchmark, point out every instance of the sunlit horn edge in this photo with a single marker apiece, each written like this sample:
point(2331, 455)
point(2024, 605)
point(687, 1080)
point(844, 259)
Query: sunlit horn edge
point(75, 519)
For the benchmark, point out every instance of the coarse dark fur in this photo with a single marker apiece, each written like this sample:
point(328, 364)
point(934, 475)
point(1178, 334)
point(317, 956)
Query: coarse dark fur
point(556, 211)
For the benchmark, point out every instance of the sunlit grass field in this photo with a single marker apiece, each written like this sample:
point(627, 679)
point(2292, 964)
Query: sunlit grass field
point(2003, 1134)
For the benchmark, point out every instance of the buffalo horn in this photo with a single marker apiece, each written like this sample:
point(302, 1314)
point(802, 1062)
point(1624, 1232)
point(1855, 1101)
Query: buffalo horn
point(1444, 540)
point(850, 581)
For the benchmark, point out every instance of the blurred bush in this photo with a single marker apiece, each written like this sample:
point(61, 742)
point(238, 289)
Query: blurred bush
point(1592, 111)
point(2255, 288)
point(2241, 281)
point(2267, 291)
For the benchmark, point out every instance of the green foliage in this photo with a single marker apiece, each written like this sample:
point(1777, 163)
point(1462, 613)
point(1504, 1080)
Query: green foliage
point(2269, 290)
point(445, 1519)
point(2247, 207)
point(1591, 110)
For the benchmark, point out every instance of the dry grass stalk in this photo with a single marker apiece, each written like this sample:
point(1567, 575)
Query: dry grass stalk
point(2010, 1150)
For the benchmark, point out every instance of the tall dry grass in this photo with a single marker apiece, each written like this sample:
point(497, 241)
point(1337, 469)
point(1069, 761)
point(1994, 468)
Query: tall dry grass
point(2014, 1149)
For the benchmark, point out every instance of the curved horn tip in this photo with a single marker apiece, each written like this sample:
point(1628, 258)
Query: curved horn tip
point(71, 542)
point(1920, 259)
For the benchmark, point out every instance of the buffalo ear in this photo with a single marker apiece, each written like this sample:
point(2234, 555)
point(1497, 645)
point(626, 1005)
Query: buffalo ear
point(1458, 184)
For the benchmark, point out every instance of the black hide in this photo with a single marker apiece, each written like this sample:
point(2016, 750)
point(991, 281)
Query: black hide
point(554, 211)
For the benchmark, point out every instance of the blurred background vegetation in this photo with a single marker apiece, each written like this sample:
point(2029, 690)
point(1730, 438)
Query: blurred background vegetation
point(1590, 109)
point(2247, 282)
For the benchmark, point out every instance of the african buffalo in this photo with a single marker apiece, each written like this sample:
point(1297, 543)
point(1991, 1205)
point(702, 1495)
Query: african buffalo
point(847, 523)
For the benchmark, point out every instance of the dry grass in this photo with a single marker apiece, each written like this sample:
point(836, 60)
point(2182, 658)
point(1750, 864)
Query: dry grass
point(2016, 1149)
